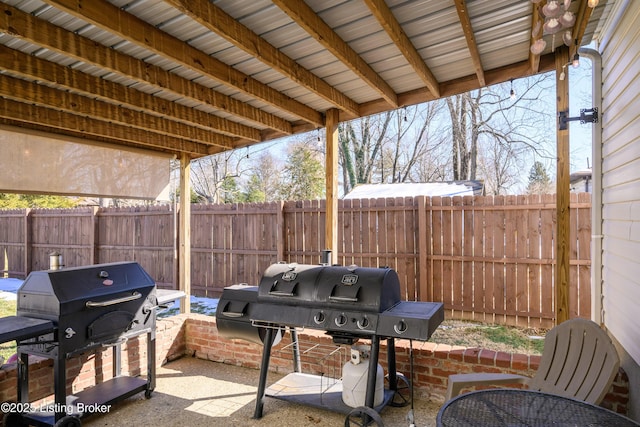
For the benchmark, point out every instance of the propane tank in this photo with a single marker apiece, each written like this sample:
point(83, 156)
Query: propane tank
point(354, 378)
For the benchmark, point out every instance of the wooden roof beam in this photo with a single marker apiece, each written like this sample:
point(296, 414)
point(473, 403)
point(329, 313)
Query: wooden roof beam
point(307, 19)
point(27, 27)
point(215, 19)
point(391, 25)
point(461, 85)
point(45, 96)
point(33, 68)
point(116, 21)
point(23, 115)
point(465, 22)
point(582, 20)
point(536, 20)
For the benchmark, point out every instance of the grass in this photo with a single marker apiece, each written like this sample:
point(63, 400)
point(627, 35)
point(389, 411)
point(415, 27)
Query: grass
point(7, 308)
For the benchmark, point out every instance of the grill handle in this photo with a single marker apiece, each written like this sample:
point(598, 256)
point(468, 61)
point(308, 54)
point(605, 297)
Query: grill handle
point(343, 299)
point(282, 293)
point(133, 297)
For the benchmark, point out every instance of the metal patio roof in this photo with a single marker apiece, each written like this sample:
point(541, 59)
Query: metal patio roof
point(200, 76)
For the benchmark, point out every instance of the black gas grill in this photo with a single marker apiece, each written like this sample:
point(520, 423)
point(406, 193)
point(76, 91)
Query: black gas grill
point(61, 313)
point(349, 303)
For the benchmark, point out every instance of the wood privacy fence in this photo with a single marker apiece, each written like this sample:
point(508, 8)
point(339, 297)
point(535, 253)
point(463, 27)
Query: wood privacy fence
point(487, 258)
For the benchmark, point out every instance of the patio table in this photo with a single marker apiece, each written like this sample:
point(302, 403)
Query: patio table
point(517, 407)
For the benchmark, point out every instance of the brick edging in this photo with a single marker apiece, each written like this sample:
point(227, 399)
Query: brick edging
point(196, 335)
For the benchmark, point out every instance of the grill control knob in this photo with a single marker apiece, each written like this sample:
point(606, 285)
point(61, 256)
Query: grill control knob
point(363, 323)
point(400, 327)
point(341, 320)
point(319, 318)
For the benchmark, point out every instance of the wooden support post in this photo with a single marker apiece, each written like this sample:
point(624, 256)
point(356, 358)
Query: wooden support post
point(184, 247)
point(563, 184)
point(331, 223)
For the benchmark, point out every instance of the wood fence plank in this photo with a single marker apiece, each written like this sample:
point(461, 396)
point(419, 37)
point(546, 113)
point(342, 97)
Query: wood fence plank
point(498, 288)
point(437, 235)
point(424, 290)
point(547, 230)
point(523, 304)
point(453, 294)
point(456, 256)
point(533, 236)
point(484, 245)
point(467, 267)
point(368, 231)
point(409, 246)
point(511, 252)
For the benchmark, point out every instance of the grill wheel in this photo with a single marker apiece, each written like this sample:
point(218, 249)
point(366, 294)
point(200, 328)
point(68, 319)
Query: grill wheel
point(363, 416)
point(68, 421)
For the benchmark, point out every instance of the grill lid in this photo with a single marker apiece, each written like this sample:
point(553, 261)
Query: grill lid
point(58, 292)
point(359, 288)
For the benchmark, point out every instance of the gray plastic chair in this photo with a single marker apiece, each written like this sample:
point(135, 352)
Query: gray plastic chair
point(578, 361)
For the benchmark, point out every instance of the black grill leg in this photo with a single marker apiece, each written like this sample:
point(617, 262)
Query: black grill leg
point(391, 364)
point(151, 361)
point(372, 375)
point(264, 370)
point(60, 384)
point(23, 377)
point(296, 350)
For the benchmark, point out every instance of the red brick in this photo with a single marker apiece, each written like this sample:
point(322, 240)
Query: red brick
point(487, 357)
point(471, 355)
point(456, 354)
point(520, 362)
point(503, 359)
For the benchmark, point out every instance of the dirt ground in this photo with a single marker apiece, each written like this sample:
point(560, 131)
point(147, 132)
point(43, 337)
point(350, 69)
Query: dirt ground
point(492, 337)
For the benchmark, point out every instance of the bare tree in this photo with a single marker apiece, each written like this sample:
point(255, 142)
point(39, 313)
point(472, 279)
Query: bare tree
point(487, 117)
point(265, 176)
point(361, 142)
point(399, 146)
point(210, 174)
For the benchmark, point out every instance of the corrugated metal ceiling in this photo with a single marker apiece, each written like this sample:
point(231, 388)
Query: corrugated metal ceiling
point(273, 95)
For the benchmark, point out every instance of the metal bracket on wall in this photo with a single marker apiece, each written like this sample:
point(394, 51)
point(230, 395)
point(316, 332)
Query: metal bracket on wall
point(589, 115)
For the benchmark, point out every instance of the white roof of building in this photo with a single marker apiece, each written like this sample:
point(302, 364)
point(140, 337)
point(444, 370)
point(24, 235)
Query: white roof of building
point(452, 188)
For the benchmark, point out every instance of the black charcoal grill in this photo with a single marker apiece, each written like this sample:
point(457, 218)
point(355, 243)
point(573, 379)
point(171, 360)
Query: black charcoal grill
point(75, 310)
point(349, 303)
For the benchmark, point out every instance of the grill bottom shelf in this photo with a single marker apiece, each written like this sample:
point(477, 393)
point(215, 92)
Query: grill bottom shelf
point(317, 391)
point(95, 398)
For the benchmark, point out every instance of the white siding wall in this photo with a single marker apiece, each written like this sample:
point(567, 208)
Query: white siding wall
point(620, 50)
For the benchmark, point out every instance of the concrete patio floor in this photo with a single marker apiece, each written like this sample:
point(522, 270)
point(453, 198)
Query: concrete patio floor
point(194, 392)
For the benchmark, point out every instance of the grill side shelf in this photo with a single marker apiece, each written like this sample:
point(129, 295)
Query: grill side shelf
point(18, 328)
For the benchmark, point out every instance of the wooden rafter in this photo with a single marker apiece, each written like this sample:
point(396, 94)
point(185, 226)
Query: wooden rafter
point(306, 18)
point(110, 18)
point(391, 25)
point(469, 83)
point(465, 22)
point(215, 19)
point(582, 20)
point(21, 114)
point(31, 67)
point(40, 32)
point(45, 96)
point(536, 20)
